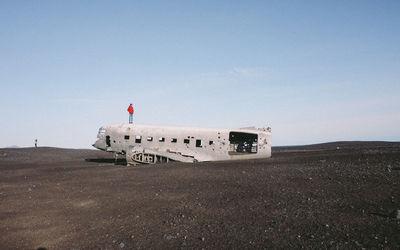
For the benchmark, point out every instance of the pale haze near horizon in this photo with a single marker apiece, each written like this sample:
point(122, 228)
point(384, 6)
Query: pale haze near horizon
point(314, 71)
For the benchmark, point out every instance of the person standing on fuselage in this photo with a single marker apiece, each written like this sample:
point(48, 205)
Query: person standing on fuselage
point(130, 110)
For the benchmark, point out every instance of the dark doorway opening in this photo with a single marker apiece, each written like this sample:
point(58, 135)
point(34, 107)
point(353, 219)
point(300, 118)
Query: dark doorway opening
point(108, 141)
point(242, 143)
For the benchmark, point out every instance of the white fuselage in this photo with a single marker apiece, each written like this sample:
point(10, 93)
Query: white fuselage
point(200, 144)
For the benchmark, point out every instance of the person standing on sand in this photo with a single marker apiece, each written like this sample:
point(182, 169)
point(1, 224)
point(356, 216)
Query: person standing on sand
point(130, 110)
point(35, 143)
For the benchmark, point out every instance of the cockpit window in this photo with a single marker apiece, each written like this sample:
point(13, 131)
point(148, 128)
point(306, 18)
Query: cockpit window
point(102, 131)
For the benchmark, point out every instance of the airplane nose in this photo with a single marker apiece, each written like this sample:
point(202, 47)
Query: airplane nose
point(100, 144)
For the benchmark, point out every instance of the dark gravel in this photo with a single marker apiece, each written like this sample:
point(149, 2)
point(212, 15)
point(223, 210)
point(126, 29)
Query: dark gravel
point(344, 195)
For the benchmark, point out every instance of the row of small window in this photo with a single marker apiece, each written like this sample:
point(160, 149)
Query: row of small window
point(138, 139)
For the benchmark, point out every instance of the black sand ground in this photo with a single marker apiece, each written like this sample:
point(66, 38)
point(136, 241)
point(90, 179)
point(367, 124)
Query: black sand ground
point(337, 195)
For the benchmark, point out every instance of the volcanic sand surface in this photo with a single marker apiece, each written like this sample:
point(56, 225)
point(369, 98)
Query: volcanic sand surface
point(336, 195)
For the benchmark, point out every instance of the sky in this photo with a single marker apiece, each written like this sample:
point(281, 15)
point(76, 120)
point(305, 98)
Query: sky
point(313, 71)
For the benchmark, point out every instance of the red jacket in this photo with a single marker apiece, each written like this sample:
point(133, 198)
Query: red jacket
point(130, 110)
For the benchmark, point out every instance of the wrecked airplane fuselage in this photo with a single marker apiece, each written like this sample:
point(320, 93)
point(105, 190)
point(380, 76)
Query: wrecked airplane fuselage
point(157, 144)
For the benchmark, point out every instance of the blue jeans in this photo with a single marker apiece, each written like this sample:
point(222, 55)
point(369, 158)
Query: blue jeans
point(130, 118)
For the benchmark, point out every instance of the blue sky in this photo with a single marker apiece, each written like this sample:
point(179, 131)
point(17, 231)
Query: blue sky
point(314, 71)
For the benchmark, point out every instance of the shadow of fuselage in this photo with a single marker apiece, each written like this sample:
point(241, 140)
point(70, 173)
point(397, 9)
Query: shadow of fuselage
point(107, 160)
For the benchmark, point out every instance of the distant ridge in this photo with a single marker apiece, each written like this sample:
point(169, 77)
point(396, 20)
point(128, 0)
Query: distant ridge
point(71, 152)
point(49, 153)
point(338, 145)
